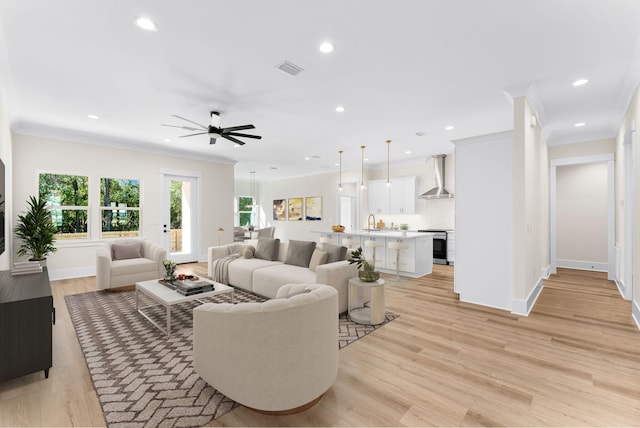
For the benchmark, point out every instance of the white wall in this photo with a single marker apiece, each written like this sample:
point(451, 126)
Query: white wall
point(33, 155)
point(7, 159)
point(484, 208)
point(581, 220)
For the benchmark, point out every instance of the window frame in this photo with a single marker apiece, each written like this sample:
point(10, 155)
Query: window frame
point(118, 208)
point(61, 208)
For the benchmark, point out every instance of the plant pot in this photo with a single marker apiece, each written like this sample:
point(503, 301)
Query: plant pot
point(368, 275)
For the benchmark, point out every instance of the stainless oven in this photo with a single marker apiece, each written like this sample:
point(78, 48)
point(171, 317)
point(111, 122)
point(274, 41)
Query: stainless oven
point(439, 246)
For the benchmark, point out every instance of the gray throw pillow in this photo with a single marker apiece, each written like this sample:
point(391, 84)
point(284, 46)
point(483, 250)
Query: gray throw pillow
point(299, 253)
point(335, 253)
point(126, 251)
point(267, 249)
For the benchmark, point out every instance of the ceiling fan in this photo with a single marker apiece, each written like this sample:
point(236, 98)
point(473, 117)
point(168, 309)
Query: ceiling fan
point(214, 131)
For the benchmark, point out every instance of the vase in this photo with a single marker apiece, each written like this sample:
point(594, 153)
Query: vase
point(368, 275)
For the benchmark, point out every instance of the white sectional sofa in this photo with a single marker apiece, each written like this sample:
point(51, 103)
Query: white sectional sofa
point(265, 277)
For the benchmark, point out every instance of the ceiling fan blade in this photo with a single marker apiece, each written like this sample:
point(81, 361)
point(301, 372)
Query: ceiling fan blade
point(238, 134)
point(191, 135)
point(188, 128)
point(237, 128)
point(212, 140)
point(235, 140)
point(195, 123)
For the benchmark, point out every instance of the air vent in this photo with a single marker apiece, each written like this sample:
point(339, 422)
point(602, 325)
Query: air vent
point(289, 68)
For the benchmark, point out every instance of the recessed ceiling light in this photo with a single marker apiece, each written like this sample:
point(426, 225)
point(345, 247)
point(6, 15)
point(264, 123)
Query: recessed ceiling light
point(236, 145)
point(307, 158)
point(93, 116)
point(408, 152)
point(146, 24)
point(580, 82)
point(340, 109)
point(450, 128)
point(579, 124)
point(326, 47)
point(166, 140)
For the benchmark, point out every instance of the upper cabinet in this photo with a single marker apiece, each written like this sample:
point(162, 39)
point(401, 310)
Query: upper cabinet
point(400, 198)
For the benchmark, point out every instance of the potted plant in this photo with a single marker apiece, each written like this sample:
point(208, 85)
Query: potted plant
point(36, 230)
point(366, 270)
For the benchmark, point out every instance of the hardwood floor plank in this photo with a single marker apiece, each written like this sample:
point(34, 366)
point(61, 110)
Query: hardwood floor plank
point(575, 361)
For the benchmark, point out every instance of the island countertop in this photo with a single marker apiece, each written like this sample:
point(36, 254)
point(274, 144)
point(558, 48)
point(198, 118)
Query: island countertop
point(376, 233)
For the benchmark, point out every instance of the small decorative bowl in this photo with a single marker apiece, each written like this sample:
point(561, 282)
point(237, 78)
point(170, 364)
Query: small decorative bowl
point(337, 228)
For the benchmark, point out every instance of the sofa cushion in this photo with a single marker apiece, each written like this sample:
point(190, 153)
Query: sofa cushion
point(267, 249)
point(126, 251)
point(132, 266)
point(299, 253)
point(336, 253)
point(241, 271)
point(317, 258)
point(267, 281)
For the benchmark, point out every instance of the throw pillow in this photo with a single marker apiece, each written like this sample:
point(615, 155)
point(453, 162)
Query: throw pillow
point(335, 253)
point(299, 253)
point(126, 251)
point(318, 258)
point(267, 249)
point(249, 252)
point(235, 248)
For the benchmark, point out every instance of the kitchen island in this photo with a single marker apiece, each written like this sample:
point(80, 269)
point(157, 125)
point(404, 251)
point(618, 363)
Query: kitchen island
point(415, 261)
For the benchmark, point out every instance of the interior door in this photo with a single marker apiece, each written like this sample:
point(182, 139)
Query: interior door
point(180, 218)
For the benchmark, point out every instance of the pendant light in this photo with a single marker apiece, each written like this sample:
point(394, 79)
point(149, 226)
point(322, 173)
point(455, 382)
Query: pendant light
point(362, 168)
point(388, 145)
point(340, 185)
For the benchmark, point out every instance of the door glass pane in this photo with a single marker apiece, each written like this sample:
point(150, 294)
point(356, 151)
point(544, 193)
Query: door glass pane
point(180, 216)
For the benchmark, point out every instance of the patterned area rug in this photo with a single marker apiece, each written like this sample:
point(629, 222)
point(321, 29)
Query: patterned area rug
point(143, 378)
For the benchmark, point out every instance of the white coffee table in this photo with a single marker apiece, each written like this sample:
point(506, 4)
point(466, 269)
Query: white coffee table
point(168, 297)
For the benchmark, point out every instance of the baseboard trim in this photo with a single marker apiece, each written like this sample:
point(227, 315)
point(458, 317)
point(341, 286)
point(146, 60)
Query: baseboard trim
point(635, 313)
point(523, 306)
point(622, 289)
point(546, 271)
point(57, 274)
point(582, 265)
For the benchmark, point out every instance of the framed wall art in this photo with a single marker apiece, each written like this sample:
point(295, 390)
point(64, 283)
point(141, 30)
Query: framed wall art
point(313, 208)
point(295, 209)
point(279, 209)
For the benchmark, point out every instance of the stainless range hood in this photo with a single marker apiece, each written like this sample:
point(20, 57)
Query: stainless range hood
point(439, 191)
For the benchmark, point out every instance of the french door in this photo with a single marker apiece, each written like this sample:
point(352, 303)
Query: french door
point(180, 208)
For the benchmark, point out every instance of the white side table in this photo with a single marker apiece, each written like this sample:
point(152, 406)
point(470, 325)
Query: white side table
point(359, 311)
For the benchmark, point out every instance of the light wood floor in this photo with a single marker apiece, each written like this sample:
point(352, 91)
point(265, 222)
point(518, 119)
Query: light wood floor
point(575, 361)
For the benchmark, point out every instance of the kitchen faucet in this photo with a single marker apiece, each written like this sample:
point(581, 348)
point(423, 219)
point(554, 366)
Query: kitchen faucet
point(370, 222)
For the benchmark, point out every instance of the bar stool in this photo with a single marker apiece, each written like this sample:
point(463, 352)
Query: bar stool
point(324, 240)
point(398, 246)
point(370, 243)
point(348, 242)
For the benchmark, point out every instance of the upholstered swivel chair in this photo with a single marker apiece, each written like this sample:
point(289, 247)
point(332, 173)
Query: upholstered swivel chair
point(120, 263)
point(279, 356)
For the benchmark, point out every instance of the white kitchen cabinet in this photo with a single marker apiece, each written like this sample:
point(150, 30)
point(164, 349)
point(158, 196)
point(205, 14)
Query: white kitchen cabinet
point(451, 247)
point(399, 198)
point(378, 197)
point(403, 195)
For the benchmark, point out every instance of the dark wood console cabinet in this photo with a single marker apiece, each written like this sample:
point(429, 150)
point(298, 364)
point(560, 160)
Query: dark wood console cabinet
point(26, 316)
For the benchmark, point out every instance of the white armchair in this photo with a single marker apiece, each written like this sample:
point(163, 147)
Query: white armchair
point(278, 356)
point(123, 262)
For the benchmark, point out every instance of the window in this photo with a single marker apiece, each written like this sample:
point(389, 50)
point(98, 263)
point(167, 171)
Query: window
point(244, 210)
point(120, 207)
point(68, 199)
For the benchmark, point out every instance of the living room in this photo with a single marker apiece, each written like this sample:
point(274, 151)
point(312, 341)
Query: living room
point(514, 214)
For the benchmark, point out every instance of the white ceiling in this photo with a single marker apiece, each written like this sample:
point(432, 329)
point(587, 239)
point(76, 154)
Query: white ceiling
point(399, 67)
